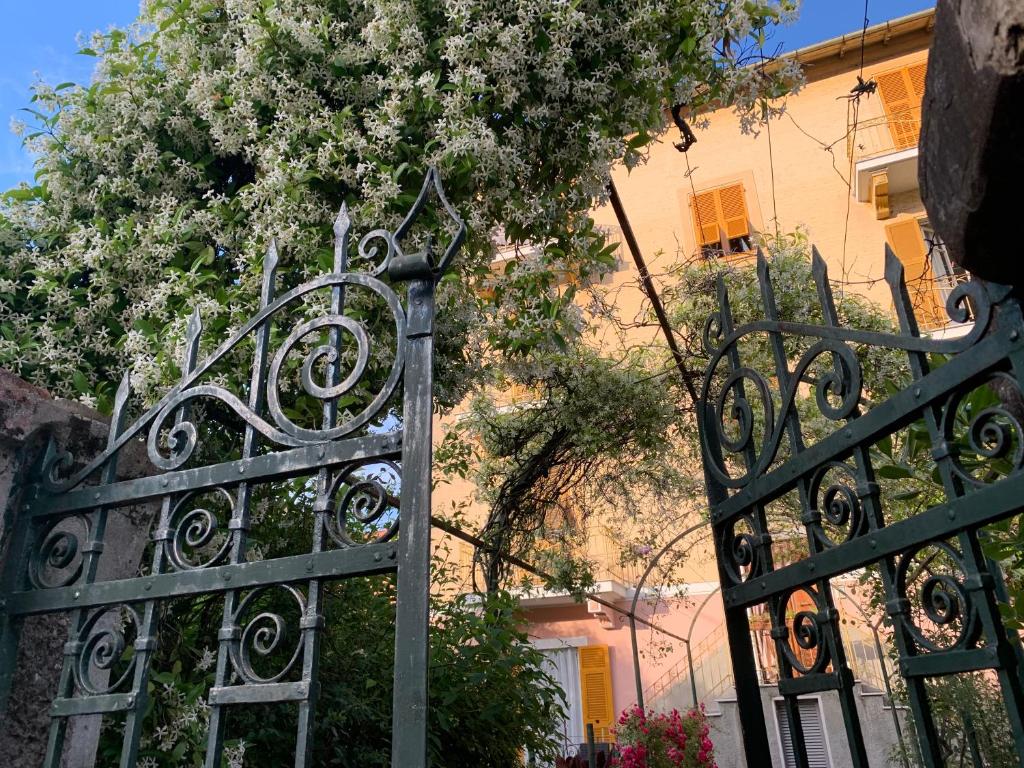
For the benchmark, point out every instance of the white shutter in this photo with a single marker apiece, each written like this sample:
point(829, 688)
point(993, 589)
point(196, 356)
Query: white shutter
point(814, 734)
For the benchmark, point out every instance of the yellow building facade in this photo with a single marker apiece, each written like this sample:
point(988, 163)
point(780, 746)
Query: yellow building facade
point(840, 169)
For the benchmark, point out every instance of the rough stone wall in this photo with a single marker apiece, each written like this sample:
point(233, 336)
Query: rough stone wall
point(972, 134)
point(29, 416)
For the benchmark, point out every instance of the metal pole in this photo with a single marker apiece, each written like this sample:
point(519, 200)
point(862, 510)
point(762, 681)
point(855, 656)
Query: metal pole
point(652, 293)
point(637, 679)
point(885, 673)
point(971, 735)
point(412, 613)
point(693, 680)
point(888, 693)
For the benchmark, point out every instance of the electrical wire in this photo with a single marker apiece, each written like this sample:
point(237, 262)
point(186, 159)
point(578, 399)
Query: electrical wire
point(843, 272)
point(696, 208)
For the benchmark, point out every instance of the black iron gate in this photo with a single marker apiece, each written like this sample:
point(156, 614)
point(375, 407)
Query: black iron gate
point(945, 620)
point(365, 468)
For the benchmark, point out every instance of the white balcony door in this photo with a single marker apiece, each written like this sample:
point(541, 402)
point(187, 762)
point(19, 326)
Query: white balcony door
point(564, 666)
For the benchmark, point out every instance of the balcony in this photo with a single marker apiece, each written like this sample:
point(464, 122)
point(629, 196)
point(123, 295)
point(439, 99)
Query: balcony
point(883, 150)
point(613, 579)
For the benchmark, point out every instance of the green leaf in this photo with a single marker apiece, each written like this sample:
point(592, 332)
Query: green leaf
point(80, 381)
point(893, 472)
point(906, 495)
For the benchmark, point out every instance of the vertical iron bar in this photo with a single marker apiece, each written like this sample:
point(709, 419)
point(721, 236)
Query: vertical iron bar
point(239, 524)
point(409, 713)
point(14, 577)
point(91, 555)
point(888, 692)
point(834, 649)
point(145, 641)
point(748, 689)
point(867, 490)
point(971, 736)
point(313, 621)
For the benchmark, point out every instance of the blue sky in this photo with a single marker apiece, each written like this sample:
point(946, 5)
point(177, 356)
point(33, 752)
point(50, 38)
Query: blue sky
point(37, 39)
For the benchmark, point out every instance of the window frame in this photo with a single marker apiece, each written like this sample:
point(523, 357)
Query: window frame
point(725, 245)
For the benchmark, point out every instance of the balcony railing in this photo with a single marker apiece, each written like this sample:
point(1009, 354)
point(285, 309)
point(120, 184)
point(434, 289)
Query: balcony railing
point(883, 135)
point(711, 666)
point(605, 555)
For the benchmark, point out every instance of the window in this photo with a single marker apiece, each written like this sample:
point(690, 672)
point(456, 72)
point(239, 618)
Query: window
point(902, 90)
point(721, 222)
point(929, 272)
point(563, 665)
point(815, 740)
point(583, 673)
point(948, 274)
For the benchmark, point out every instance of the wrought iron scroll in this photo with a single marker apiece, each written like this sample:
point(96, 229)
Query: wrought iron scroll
point(944, 613)
point(366, 461)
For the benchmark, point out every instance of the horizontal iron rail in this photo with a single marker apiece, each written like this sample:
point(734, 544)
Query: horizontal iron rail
point(280, 464)
point(998, 501)
point(950, 662)
point(798, 686)
point(896, 412)
point(365, 560)
point(260, 693)
point(93, 705)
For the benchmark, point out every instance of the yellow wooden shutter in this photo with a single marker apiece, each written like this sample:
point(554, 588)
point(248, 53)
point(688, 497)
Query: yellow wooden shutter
point(916, 74)
point(907, 242)
point(720, 212)
point(902, 90)
point(705, 218)
point(596, 691)
point(734, 211)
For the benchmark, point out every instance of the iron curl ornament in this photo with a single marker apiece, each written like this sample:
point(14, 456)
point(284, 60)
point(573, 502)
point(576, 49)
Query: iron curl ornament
point(807, 628)
point(198, 536)
point(731, 425)
point(172, 439)
point(321, 402)
point(180, 436)
point(992, 434)
point(932, 599)
point(58, 558)
point(835, 504)
point(956, 406)
point(99, 652)
point(254, 640)
point(362, 503)
point(742, 543)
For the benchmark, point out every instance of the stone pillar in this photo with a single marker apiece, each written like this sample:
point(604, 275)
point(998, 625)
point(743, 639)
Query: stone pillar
point(29, 416)
point(972, 135)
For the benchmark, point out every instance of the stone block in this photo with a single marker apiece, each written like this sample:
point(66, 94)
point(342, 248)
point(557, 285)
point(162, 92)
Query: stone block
point(972, 156)
point(29, 418)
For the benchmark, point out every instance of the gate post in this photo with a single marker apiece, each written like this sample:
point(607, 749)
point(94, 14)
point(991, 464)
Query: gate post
point(412, 645)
